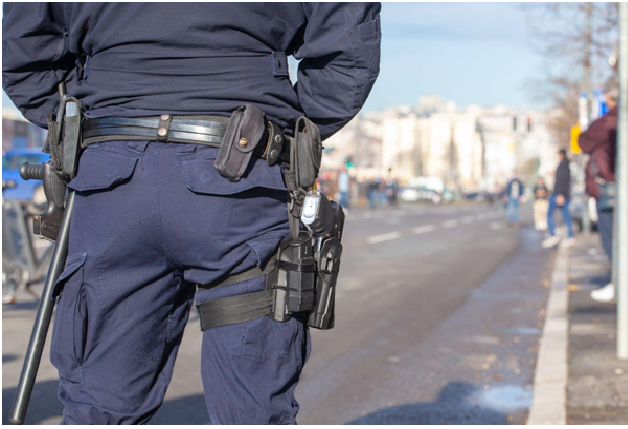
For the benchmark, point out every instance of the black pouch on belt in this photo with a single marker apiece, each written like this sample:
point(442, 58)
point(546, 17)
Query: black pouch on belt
point(244, 130)
point(307, 153)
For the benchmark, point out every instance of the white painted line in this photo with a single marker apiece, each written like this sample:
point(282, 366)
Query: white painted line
point(466, 219)
point(423, 229)
point(496, 225)
point(450, 223)
point(550, 381)
point(480, 216)
point(384, 237)
point(393, 221)
point(366, 215)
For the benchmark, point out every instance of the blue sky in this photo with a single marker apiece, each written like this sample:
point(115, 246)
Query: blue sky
point(472, 53)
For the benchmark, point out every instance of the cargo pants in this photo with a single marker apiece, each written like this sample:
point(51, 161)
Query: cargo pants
point(151, 221)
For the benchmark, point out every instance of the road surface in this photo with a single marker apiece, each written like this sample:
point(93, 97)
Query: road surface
point(438, 316)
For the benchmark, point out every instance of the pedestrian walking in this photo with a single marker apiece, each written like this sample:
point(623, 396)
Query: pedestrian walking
point(513, 196)
point(541, 204)
point(159, 208)
point(372, 193)
point(600, 142)
point(343, 187)
point(560, 200)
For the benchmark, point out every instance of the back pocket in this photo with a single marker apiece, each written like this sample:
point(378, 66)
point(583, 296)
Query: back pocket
point(102, 169)
point(201, 176)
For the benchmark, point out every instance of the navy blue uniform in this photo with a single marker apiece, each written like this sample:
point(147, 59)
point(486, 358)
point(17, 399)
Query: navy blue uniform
point(152, 219)
point(145, 59)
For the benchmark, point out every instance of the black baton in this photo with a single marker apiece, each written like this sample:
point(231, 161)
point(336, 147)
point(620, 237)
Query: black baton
point(42, 322)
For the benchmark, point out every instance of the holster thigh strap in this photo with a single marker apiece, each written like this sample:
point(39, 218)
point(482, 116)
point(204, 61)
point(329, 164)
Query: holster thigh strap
point(235, 309)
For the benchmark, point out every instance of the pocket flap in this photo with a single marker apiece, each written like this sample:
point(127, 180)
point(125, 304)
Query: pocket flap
point(99, 169)
point(200, 176)
point(71, 266)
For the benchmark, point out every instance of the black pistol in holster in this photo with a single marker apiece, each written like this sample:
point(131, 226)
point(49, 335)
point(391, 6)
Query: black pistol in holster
point(308, 266)
point(64, 146)
point(301, 278)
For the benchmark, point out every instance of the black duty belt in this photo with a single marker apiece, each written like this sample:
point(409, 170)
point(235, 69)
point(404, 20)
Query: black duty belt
point(205, 130)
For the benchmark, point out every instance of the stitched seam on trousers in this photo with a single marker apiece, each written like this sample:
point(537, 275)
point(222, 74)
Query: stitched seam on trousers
point(158, 207)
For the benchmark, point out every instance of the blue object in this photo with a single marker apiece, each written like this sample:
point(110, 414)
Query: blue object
point(553, 205)
point(152, 220)
point(11, 162)
point(512, 210)
point(600, 99)
point(145, 59)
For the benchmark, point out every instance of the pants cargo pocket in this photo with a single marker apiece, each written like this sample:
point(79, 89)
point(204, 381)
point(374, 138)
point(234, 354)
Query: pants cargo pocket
point(67, 349)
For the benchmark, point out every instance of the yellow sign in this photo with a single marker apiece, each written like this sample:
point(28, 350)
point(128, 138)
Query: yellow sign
point(575, 134)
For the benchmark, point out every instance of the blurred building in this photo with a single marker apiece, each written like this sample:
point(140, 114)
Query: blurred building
point(470, 150)
point(18, 133)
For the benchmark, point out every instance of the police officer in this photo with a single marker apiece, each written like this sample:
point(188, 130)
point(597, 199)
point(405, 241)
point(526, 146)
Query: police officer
point(153, 218)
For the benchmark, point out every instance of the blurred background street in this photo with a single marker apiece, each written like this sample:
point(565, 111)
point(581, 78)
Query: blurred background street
point(450, 275)
point(439, 313)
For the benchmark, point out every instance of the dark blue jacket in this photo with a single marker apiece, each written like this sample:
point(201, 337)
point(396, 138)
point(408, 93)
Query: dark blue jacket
point(508, 191)
point(144, 59)
point(562, 184)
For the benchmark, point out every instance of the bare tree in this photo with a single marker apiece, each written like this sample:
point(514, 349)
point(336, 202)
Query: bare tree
point(577, 39)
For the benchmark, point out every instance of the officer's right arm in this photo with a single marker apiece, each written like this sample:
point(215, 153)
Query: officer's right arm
point(34, 57)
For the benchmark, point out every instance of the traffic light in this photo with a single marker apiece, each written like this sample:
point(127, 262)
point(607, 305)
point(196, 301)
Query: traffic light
point(529, 122)
point(514, 123)
point(349, 162)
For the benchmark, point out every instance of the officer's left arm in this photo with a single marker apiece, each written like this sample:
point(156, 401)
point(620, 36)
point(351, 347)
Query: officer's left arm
point(340, 54)
point(35, 57)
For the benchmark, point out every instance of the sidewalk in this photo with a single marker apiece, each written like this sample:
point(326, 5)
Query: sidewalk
point(597, 387)
point(579, 379)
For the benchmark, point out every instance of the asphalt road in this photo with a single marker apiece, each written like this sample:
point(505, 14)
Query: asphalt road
point(438, 315)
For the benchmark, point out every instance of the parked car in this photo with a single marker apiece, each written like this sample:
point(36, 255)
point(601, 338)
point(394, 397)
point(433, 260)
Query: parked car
point(29, 191)
point(419, 194)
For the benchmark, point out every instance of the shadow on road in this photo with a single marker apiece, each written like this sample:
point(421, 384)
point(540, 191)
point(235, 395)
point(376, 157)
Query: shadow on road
point(187, 410)
point(8, 358)
point(452, 406)
point(43, 404)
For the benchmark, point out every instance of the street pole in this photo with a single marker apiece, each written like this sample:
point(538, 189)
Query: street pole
point(621, 210)
point(586, 221)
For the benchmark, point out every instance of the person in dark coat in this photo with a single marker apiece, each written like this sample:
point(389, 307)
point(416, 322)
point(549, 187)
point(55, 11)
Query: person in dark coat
point(600, 142)
point(560, 199)
point(153, 218)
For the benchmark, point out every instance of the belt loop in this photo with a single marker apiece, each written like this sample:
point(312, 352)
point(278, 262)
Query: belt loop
point(163, 129)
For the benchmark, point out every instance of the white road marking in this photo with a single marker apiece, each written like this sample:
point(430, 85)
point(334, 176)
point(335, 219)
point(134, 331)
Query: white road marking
point(480, 216)
point(466, 219)
point(393, 221)
point(496, 225)
point(450, 223)
point(423, 229)
point(366, 215)
point(384, 237)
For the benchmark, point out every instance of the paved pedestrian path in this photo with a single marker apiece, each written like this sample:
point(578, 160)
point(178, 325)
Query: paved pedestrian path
point(597, 387)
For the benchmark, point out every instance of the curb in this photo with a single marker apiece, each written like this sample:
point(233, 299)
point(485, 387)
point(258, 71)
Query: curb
point(550, 381)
